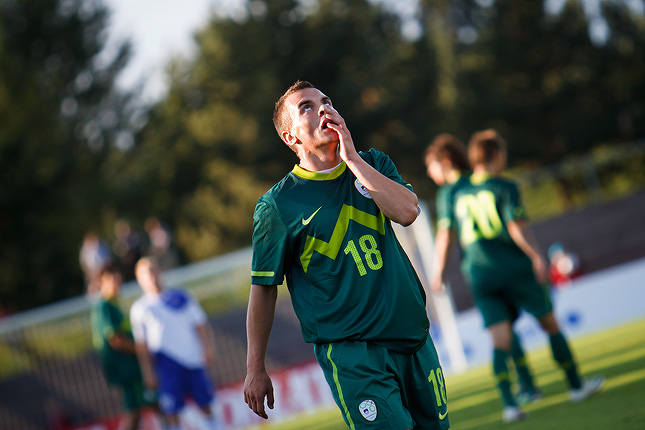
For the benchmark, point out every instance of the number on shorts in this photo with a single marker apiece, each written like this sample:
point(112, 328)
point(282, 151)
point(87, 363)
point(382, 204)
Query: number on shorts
point(436, 378)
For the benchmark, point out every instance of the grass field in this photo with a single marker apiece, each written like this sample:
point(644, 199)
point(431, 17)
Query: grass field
point(473, 402)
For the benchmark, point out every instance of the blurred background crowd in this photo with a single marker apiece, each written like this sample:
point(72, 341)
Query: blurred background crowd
point(126, 248)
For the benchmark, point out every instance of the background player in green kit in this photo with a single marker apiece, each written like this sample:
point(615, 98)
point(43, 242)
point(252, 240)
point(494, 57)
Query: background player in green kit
point(326, 228)
point(504, 267)
point(112, 338)
point(447, 165)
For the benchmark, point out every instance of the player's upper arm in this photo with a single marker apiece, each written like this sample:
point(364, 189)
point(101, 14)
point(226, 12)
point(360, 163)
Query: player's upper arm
point(271, 246)
point(136, 320)
point(512, 209)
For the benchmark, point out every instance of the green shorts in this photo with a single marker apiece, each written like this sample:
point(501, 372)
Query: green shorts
point(133, 394)
point(377, 388)
point(503, 302)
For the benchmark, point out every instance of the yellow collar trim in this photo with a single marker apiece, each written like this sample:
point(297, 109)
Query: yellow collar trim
point(479, 178)
point(318, 176)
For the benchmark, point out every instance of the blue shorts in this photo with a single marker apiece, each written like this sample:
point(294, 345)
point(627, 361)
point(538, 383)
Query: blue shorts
point(177, 381)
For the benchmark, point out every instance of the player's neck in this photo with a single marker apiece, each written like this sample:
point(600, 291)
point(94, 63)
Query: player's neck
point(484, 169)
point(154, 290)
point(319, 161)
point(452, 176)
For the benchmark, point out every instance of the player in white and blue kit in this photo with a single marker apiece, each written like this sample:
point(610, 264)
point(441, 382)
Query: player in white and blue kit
point(171, 337)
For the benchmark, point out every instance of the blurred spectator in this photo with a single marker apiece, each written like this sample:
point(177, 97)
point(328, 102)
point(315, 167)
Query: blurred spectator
point(112, 338)
point(127, 248)
point(563, 266)
point(94, 255)
point(160, 244)
point(174, 345)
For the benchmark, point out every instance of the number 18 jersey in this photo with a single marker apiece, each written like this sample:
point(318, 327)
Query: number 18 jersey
point(347, 274)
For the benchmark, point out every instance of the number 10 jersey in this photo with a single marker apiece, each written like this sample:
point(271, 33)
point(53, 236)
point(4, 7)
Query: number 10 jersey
point(347, 274)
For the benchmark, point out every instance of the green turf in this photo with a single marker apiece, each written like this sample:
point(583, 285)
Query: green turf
point(473, 402)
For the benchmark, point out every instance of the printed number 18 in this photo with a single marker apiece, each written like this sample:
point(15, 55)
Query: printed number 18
point(372, 254)
point(436, 378)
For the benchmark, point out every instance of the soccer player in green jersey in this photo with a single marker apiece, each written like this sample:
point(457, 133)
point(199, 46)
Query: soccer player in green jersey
point(325, 227)
point(447, 165)
point(113, 340)
point(504, 267)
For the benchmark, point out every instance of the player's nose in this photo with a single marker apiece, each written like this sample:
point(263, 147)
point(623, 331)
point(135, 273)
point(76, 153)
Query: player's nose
point(322, 110)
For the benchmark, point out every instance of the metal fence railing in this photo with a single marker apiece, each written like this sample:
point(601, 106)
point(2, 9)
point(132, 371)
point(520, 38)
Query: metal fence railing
point(49, 369)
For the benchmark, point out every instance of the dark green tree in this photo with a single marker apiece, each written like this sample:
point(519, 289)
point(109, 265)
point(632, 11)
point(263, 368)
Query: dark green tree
point(216, 145)
point(59, 117)
point(544, 85)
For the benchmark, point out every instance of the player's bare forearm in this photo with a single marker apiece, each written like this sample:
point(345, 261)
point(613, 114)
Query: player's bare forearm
point(259, 320)
point(122, 344)
point(204, 333)
point(395, 201)
point(524, 239)
point(443, 242)
point(145, 362)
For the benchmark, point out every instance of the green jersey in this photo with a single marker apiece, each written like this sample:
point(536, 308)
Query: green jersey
point(347, 274)
point(445, 199)
point(481, 210)
point(108, 320)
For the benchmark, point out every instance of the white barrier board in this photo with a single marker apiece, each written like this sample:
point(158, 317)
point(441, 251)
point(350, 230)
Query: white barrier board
point(591, 303)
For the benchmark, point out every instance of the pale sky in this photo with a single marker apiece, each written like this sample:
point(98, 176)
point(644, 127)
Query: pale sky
point(158, 30)
point(162, 29)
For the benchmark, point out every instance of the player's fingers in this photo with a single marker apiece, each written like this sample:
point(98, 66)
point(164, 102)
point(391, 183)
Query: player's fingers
point(336, 119)
point(258, 408)
point(256, 404)
point(270, 399)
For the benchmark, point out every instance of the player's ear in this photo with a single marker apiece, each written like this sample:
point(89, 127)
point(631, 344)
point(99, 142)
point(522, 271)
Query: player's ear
point(289, 138)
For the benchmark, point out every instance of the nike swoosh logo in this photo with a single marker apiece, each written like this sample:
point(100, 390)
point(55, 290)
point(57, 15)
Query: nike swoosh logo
point(308, 220)
point(442, 416)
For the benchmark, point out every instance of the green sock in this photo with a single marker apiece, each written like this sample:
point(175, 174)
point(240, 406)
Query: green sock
point(562, 354)
point(523, 372)
point(500, 368)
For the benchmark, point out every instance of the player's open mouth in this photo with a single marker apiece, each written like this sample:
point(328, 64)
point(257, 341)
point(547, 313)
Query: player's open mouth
point(324, 124)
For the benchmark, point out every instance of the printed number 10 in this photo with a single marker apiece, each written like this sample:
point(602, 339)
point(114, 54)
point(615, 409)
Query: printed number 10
point(373, 257)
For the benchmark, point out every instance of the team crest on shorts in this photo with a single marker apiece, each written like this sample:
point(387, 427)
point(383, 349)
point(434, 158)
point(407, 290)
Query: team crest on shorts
point(368, 409)
point(361, 189)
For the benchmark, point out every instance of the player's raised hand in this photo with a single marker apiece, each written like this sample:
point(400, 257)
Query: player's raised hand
point(346, 148)
point(257, 386)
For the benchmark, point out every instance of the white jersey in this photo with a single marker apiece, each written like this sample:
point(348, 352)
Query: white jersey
point(167, 323)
